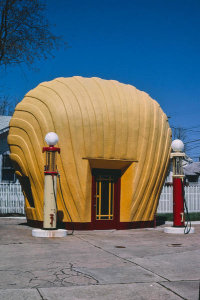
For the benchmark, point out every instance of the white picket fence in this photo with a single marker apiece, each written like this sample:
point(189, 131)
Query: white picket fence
point(12, 199)
point(192, 197)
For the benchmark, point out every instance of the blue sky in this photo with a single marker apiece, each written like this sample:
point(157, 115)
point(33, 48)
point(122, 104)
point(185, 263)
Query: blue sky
point(151, 44)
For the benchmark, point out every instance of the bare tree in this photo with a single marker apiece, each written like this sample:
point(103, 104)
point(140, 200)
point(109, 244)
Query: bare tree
point(24, 32)
point(190, 138)
point(7, 106)
point(179, 133)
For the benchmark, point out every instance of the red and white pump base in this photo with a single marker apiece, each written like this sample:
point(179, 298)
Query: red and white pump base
point(177, 230)
point(178, 209)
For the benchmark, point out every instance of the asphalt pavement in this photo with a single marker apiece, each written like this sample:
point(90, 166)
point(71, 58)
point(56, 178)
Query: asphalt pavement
point(114, 264)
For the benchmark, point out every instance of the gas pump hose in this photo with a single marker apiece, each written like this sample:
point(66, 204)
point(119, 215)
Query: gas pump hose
point(188, 221)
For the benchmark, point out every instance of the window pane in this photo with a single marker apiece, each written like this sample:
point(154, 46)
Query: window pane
point(104, 198)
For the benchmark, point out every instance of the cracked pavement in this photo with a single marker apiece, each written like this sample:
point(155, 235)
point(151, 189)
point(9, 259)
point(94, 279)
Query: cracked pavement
point(128, 264)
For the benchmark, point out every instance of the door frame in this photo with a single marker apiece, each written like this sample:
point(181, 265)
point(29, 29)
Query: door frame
point(106, 224)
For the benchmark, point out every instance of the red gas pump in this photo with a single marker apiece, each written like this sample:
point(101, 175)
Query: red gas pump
point(178, 183)
point(179, 202)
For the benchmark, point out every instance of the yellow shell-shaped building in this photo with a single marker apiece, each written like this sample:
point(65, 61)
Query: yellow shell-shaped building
point(115, 144)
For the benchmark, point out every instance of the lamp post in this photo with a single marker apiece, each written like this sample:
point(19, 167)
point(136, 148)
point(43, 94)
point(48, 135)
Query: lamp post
point(50, 191)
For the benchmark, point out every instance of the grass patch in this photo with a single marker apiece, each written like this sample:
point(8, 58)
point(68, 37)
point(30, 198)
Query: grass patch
point(11, 215)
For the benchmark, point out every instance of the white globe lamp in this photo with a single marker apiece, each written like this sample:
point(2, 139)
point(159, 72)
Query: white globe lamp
point(177, 146)
point(51, 138)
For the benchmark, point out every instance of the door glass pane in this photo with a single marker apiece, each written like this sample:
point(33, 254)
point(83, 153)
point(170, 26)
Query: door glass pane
point(97, 201)
point(104, 198)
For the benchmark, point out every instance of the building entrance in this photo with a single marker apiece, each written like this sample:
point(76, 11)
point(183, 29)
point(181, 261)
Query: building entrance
point(105, 198)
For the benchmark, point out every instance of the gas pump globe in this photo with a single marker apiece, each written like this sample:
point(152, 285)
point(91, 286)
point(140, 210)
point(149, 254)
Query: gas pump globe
point(50, 182)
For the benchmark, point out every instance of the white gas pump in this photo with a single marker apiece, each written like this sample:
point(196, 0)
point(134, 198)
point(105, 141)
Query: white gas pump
point(50, 182)
point(50, 191)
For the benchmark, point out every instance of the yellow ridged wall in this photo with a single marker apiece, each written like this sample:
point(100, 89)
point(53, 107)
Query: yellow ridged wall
point(94, 119)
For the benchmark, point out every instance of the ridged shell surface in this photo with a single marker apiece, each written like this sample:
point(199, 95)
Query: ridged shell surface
point(95, 119)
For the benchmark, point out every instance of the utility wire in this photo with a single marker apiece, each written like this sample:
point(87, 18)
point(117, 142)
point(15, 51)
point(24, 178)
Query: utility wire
point(194, 141)
point(192, 147)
